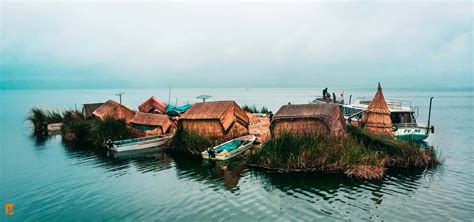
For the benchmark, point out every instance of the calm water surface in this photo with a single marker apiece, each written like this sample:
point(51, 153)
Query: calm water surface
point(46, 180)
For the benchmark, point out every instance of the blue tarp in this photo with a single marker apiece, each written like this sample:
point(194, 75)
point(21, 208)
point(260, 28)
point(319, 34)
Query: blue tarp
point(175, 110)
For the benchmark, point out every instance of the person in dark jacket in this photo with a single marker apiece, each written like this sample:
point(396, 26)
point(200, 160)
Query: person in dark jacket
point(325, 93)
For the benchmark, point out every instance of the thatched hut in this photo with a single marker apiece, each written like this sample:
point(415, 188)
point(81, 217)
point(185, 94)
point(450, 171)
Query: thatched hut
point(376, 118)
point(89, 108)
point(216, 120)
point(312, 119)
point(153, 105)
point(150, 124)
point(112, 109)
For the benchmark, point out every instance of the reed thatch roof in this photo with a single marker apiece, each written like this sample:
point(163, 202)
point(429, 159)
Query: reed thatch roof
point(225, 111)
point(327, 113)
point(114, 110)
point(150, 119)
point(88, 109)
point(377, 115)
point(152, 105)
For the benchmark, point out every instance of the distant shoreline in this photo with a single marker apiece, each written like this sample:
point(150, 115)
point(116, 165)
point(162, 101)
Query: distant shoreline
point(316, 88)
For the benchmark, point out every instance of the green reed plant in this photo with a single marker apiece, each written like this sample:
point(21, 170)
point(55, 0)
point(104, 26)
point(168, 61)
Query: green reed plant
point(38, 116)
point(359, 154)
point(188, 142)
point(254, 109)
point(94, 132)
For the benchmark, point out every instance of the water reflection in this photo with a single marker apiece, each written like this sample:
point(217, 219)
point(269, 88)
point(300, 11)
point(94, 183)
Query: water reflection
point(223, 174)
point(227, 174)
point(143, 161)
point(329, 187)
point(310, 187)
point(229, 171)
point(39, 139)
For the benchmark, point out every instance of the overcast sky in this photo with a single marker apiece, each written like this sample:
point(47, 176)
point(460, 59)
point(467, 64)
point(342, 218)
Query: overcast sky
point(236, 44)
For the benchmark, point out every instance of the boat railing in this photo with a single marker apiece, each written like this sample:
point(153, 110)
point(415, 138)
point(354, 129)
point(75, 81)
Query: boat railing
point(392, 103)
point(358, 116)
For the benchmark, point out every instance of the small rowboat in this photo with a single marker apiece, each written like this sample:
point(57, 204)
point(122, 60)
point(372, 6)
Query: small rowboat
point(229, 149)
point(139, 143)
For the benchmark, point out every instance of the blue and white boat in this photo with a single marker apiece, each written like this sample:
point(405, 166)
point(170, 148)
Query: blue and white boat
point(403, 116)
point(229, 149)
point(139, 143)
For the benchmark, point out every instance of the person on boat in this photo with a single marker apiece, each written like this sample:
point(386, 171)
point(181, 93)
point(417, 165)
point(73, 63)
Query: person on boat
point(406, 116)
point(401, 117)
point(325, 93)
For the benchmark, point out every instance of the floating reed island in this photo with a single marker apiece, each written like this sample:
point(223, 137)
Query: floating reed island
point(314, 137)
point(100, 122)
point(298, 138)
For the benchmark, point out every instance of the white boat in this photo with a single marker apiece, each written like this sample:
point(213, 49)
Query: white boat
point(339, 101)
point(402, 113)
point(229, 149)
point(139, 143)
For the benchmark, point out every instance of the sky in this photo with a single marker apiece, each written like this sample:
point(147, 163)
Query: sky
point(109, 44)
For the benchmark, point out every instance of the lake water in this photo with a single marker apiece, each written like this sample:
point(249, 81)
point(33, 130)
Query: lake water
point(46, 180)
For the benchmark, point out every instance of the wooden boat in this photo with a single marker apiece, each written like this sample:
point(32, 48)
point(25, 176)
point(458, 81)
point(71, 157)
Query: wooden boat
point(229, 149)
point(139, 143)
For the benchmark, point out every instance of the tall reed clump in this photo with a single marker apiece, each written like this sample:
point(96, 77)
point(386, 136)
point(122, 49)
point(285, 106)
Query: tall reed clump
point(398, 153)
point(361, 154)
point(79, 130)
point(38, 117)
point(309, 153)
point(254, 109)
point(250, 109)
point(188, 142)
point(94, 132)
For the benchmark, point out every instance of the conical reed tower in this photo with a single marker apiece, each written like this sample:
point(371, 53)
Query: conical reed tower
point(377, 116)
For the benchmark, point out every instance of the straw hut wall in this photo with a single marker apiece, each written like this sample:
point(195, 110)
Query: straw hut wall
point(153, 105)
point(88, 109)
point(377, 115)
point(312, 119)
point(112, 109)
point(148, 124)
point(216, 120)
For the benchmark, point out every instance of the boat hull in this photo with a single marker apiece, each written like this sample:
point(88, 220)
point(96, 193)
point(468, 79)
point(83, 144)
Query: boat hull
point(142, 144)
point(248, 143)
point(412, 133)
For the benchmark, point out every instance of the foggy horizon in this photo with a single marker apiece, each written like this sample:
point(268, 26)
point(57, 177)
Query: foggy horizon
point(239, 45)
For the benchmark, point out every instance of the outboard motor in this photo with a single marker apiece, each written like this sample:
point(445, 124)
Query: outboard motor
point(212, 153)
point(110, 144)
